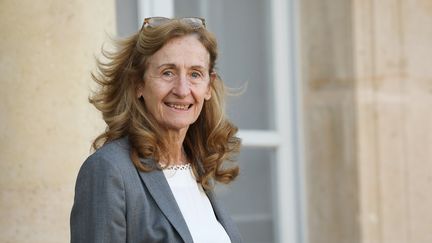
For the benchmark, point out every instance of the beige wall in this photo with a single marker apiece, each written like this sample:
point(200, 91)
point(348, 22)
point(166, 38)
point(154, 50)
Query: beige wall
point(368, 112)
point(394, 126)
point(46, 123)
point(329, 116)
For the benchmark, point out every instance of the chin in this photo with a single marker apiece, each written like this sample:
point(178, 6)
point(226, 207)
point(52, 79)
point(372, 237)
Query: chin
point(177, 126)
point(177, 123)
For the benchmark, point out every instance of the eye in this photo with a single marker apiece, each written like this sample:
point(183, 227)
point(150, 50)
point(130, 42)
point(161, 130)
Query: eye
point(196, 75)
point(168, 74)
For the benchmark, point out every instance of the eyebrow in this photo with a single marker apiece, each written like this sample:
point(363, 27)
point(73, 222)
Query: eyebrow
point(172, 65)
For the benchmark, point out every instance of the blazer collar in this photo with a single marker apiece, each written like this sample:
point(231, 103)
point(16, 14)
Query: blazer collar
point(221, 214)
point(159, 189)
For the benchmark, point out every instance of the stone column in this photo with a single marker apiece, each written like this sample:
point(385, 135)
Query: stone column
point(330, 118)
point(47, 51)
point(394, 119)
point(367, 81)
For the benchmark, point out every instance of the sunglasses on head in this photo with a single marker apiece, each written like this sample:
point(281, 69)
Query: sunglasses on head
point(195, 22)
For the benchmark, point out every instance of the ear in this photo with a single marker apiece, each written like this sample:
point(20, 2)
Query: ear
point(213, 76)
point(139, 91)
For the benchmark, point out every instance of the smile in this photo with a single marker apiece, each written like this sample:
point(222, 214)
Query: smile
point(182, 107)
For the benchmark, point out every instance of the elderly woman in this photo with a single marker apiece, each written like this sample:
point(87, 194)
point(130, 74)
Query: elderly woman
point(154, 169)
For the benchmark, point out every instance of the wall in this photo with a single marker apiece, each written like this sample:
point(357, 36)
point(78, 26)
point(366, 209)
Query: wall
point(46, 123)
point(394, 106)
point(329, 116)
point(367, 103)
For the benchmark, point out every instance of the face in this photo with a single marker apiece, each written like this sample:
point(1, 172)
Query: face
point(176, 83)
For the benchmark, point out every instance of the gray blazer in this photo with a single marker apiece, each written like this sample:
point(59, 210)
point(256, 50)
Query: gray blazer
point(114, 202)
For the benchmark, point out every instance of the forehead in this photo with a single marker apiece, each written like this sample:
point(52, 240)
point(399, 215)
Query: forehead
point(185, 50)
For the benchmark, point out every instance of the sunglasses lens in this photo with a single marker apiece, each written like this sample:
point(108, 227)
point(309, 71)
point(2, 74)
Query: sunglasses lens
point(157, 21)
point(194, 22)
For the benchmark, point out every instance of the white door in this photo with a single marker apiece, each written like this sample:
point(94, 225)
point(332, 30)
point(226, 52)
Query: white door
point(256, 45)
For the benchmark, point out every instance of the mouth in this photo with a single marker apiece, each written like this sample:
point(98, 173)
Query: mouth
point(180, 107)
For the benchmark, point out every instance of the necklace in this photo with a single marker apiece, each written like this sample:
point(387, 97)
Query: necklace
point(179, 167)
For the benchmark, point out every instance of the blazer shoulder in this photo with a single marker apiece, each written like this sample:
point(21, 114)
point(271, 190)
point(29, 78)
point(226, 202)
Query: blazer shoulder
point(114, 154)
point(114, 149)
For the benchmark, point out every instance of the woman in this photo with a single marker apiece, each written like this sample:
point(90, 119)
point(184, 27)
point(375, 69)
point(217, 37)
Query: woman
point(152, 175)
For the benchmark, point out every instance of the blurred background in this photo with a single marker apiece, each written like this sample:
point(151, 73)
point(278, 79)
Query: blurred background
point(336, 118)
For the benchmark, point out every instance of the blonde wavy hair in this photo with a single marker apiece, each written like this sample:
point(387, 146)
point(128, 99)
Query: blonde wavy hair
point(209, 142)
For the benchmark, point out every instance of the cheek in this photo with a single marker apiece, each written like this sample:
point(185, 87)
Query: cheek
point(202, 92)
point(151, 102)
point(153, 93)
point(199, 96)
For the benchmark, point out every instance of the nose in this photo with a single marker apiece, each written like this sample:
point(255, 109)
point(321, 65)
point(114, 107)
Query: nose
point(181, 87)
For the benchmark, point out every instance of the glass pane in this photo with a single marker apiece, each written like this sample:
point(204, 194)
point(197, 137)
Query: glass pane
point(249, 199)
point(126, 16)
point(241, 28)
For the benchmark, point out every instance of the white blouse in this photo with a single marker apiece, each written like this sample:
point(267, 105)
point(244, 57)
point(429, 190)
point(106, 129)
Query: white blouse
point(195, 206)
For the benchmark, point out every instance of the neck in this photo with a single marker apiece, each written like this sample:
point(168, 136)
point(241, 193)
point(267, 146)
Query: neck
point(174, 154)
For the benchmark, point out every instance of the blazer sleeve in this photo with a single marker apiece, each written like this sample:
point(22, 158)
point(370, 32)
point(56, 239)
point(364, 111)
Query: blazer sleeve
point(98, 213)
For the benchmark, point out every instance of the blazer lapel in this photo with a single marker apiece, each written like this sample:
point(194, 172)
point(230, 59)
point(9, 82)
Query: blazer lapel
point(225, 220)
point(221, 215)
point(159, 189)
